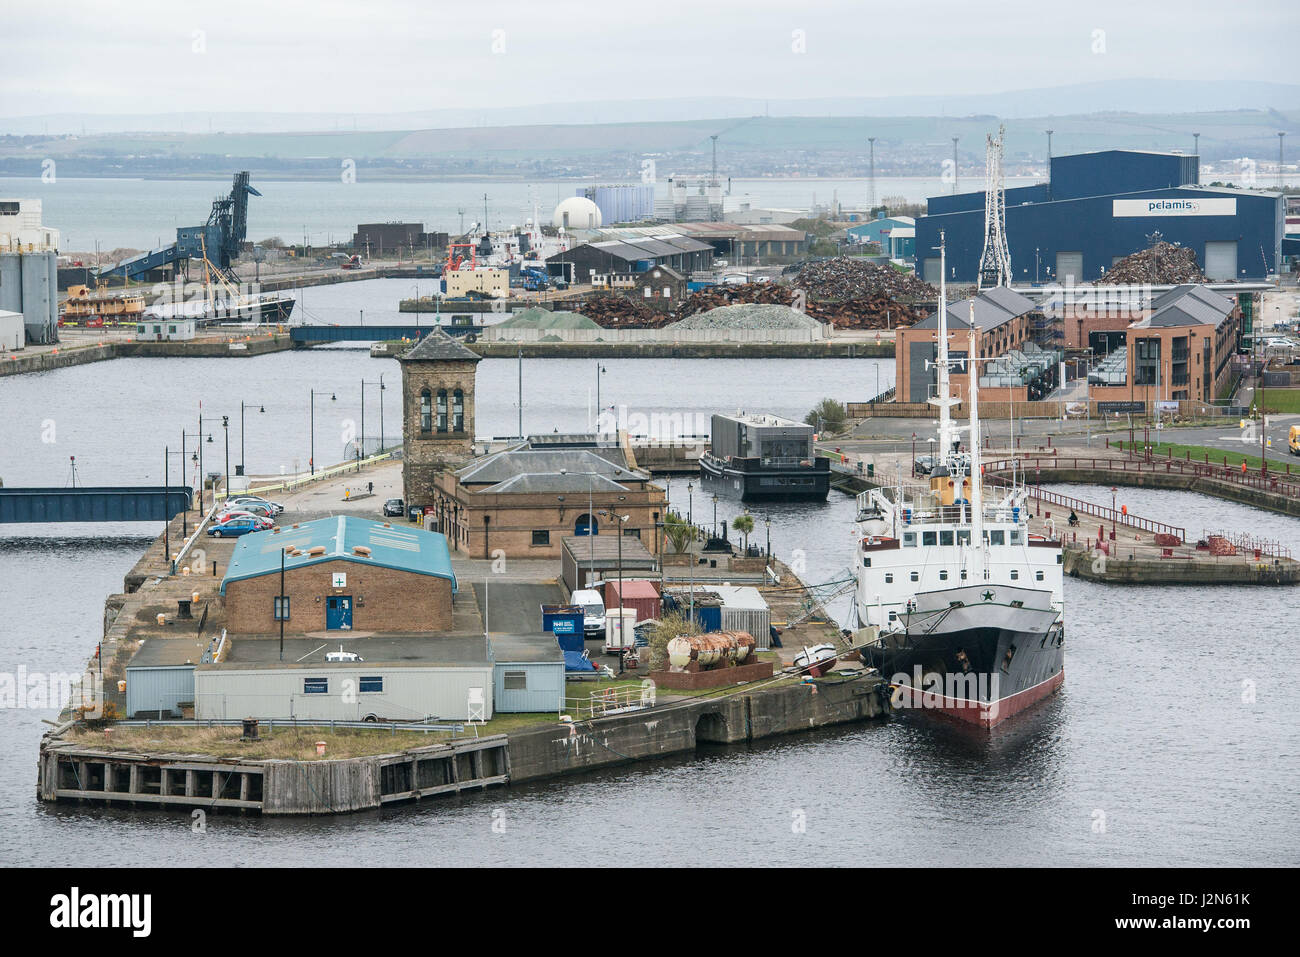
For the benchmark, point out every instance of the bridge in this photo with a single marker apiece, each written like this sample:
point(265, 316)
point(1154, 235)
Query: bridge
point(131, 503)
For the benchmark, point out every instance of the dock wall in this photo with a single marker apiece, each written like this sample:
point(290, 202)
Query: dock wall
point(1080, 562)
point(68, 772)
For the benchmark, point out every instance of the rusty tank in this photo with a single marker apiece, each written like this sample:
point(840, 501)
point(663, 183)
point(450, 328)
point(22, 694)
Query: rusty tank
point(714, 648)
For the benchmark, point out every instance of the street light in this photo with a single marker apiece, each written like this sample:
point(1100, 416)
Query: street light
point(239, 469)
point(1113, 492)
point(767, 526)
point(600, 371)
point(715, 514)
point(312, 461)
point(618, 531)
point(690, 505)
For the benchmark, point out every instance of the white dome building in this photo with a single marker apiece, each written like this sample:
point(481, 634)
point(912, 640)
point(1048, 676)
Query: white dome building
point(576, 212)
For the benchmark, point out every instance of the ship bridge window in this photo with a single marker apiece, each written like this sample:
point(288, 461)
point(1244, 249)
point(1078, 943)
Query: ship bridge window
point(943, 574)
point(915, 576)
point(909, 539)
point(963, 536)
point(893, 616)
point(929, 538)
point(1015, 573)
point(1058, 558)
point(1039, 575)
point(866, 562)
point(963, 574)
point(889, 578)
point(1017, 537)
point(997, 537)
point(945, 537)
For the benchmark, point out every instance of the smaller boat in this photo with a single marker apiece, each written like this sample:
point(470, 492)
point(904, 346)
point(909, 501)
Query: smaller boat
point(817, 660)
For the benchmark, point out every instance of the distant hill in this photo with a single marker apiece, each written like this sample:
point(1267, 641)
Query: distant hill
point(1130, 95)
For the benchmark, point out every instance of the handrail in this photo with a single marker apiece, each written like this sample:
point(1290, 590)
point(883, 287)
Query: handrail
point(1113, 515)
point(1264, 481)
point(307, 479)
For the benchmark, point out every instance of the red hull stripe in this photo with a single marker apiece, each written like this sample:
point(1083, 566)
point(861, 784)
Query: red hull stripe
point(980, 713)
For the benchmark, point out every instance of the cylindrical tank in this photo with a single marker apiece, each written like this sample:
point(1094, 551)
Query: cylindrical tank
point(710, 649)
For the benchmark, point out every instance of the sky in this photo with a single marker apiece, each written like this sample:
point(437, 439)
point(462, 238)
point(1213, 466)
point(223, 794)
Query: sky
point(152, 56)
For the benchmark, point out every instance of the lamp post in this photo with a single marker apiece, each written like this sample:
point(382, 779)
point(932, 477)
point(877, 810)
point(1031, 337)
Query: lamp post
point(715, 514)
point(239, 469)
point(1113, 492)
point(618, 531)
point(690, 505)
point(600, 371)
point(767, 526)
point(311, 462)
point(225, 426)
point(913, 455)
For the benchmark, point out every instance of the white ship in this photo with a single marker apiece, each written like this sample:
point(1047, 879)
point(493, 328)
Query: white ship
point(967, 602)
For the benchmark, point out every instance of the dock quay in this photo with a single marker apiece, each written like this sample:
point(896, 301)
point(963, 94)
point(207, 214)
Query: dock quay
point(1115, 546)
point(208, 764)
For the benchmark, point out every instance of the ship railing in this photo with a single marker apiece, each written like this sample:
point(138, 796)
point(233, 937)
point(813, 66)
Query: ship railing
point(611, 701)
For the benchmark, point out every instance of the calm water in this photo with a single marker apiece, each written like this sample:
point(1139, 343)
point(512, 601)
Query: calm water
point(145, 213)
point(1150, 735)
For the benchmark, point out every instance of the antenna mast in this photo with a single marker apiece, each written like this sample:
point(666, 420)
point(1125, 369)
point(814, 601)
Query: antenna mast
point(943, 397)
point(995, 260)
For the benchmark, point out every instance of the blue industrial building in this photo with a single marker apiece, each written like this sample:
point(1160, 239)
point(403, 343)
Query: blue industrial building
point(1098, 208)
point(622, 203)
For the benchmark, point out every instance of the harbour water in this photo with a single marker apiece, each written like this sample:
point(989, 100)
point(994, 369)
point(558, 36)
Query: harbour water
point(144, 214)
point(1173, 741)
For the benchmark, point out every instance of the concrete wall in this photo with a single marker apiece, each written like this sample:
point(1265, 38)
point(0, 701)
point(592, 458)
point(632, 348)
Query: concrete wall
point(666, 334)
point(383, 599)
point(562, 749)
point(1081, 563)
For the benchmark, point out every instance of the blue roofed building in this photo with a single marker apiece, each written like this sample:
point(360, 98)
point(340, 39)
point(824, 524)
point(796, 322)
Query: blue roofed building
point(339, 574)
point(1097, 208)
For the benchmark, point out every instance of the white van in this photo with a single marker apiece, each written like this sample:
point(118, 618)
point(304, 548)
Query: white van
point(593, 610)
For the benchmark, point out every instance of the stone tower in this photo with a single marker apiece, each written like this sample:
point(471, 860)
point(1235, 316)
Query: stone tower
point(437, 412)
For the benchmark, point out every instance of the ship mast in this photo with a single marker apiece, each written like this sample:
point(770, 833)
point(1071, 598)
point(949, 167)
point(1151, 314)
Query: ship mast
point(943, 397)
point(976, 470)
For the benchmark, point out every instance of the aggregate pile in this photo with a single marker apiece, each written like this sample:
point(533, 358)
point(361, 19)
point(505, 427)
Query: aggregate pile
point(749, 316)
point(1161, 264)
point(844, 278)
point(872, 311)
point(538, 318)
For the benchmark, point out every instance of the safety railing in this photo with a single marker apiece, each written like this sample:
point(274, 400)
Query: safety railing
point(1278, 482)
point(610, 701)
point(1113, 516)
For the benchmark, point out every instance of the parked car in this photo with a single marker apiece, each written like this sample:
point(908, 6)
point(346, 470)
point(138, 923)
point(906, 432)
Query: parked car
point(236, 526)
point(251, 508)
point(275, 507)
point(394, 506)
point(415, 513)
point(261, 521)
point(924, 463)
point(242, 512)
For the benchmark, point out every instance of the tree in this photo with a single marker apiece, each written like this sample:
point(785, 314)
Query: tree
point(677, 532)
point(744, 524)
point(669, 627)
point(827, 416)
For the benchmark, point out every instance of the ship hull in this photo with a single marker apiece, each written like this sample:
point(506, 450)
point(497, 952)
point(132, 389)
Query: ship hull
point(772, 485)
point(974, 660)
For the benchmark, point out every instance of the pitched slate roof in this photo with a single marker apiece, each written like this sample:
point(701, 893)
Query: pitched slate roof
point(506, 465)
point(993, 307)
point(437, 346)
point(1187, 305)
point(402, 548)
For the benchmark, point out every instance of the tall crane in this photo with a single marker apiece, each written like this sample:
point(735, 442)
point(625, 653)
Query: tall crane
point(995, 260)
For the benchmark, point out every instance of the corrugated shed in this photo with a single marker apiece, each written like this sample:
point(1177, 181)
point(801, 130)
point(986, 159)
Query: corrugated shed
point(159, 689)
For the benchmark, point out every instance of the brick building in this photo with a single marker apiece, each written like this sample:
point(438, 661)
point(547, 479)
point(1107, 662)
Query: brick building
point(437, 412)
point(526, 499)
point(1005, 322)
point(1181, 350)
point(340, 574)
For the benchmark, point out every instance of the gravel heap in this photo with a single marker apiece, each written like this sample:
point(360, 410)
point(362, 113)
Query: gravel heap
point(749, 316)
point(535, 317)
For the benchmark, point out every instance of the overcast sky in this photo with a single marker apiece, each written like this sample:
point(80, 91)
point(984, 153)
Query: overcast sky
point(397, 55)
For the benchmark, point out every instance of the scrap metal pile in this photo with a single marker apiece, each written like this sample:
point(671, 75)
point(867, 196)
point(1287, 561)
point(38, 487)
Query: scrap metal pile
point(853, 279)
point(1161, 264)
point(870, 309)
point(622, 312)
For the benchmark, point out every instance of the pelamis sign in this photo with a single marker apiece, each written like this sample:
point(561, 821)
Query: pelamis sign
point(1218, 206)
